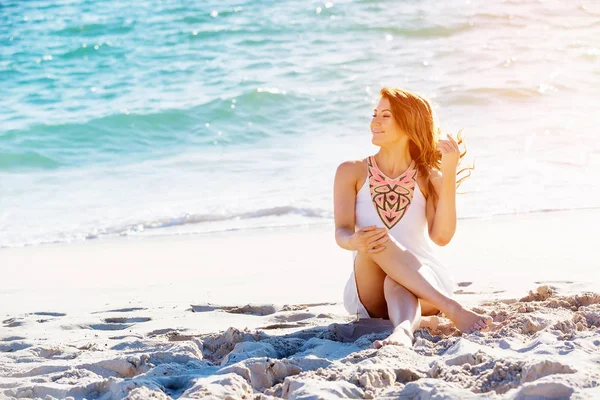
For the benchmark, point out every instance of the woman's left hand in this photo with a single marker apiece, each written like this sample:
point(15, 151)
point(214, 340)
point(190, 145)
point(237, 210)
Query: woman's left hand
point(450, 154)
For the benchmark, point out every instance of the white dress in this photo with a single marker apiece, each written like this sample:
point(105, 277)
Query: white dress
point(399, 205)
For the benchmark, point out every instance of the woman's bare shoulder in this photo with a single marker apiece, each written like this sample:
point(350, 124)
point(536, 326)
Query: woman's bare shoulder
point(352, 172)
point(352, 167)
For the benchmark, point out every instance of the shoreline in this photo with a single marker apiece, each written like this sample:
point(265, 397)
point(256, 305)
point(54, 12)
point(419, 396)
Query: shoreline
point(260, 228)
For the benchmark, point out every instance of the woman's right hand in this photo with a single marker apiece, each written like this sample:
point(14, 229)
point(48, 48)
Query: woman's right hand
point(369, 239)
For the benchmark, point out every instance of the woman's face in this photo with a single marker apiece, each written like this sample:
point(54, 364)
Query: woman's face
point(384, 127)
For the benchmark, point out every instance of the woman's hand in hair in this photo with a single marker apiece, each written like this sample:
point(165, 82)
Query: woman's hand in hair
point(370, 239)
point(450, 154)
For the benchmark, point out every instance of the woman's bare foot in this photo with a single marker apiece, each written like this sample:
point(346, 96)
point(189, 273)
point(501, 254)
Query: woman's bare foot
point(400, 337)
point(466, 320)
point(430, 322)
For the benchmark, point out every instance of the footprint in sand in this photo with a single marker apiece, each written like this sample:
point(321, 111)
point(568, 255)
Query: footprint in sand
point(460, 291)
point(289, 320)
point(249, 309)
point(163, 331)
point(13, 322)
point(282, 326)
point(255, 309)
point(20, 321)
point(108, 327)
point(49, 314)
point(123, 320)
point(293, 317)
point(118, 323)
point(173, 335)
point(298, 307)
point(130, 309)
point(14, 345)
point(12, 338)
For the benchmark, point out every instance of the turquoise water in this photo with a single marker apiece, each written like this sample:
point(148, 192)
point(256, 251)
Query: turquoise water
point(168, 117)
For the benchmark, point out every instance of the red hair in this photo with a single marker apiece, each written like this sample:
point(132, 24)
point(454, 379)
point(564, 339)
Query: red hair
point(415, 116)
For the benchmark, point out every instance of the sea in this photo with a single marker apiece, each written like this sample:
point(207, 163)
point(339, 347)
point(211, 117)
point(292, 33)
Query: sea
point(173, 117)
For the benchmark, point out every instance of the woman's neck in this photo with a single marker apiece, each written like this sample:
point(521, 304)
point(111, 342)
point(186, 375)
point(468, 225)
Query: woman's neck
point(393, 160)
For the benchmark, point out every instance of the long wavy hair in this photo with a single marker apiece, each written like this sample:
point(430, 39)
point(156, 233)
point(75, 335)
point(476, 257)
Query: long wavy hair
point(416, 118)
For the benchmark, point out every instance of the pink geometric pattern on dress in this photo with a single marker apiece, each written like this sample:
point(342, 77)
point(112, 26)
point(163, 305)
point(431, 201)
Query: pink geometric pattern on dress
point(391, 197)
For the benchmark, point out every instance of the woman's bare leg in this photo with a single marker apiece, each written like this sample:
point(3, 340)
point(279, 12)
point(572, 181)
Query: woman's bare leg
point(404, 310)
point(369, 284)
point(403, 267)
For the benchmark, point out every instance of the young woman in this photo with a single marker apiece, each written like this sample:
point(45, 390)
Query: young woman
point(386, 205)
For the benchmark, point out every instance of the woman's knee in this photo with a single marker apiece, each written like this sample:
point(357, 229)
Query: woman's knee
point(393, 288)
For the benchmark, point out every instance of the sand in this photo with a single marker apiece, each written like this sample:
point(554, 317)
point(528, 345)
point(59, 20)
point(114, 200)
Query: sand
point(257, 314)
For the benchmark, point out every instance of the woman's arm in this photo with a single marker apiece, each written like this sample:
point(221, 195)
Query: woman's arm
point(442, 219)
point(368, 239)
point(344, 202)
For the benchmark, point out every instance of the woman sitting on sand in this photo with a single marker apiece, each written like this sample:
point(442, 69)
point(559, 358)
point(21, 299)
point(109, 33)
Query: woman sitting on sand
point(384, 206)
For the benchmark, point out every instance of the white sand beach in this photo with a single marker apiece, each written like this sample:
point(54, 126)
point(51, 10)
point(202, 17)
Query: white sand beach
point(257, 314)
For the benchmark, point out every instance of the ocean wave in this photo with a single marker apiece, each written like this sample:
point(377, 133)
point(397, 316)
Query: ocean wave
point(91, 30)
point(189, 219)
point(239, 120)
point(196, 19)
point(506, 92)
point(9, 73)
point(156, 225)
point(486, 95)
point(221, 32)
point(100, 130)
point(416, 32)
point(206, 17)
point(26, 161)
point(103, 49)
